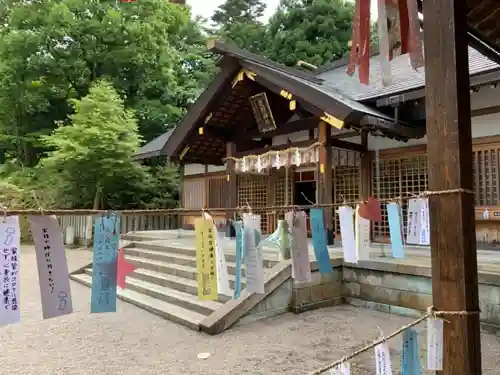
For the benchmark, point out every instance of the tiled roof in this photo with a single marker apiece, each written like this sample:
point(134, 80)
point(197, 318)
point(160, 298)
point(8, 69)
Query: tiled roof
point(154, 147)
point(404, 77)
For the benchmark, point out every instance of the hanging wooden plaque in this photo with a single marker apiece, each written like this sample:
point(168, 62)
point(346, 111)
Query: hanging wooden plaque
point(262, 112)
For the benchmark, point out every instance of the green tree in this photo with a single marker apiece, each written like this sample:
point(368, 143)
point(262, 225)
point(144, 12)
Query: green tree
point(314, 31)
point(92, 157)
point(238, 21)
point(51, 51)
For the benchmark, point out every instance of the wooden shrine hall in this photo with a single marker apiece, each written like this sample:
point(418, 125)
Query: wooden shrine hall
point(267, 135)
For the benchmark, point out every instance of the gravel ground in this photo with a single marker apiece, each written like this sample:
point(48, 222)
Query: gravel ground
point(135, 342)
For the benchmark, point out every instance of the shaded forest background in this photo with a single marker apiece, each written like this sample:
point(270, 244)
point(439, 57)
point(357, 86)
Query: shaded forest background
point(84, 83)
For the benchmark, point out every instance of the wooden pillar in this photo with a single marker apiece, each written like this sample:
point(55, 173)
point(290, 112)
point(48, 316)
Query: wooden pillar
point(453, 237)
point(232, 183)
point(365, 168)
point(324, 182)
point(181, 218)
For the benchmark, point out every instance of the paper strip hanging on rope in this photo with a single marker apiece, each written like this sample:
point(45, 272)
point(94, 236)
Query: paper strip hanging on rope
point(104, 267)
point(362, 237)
point(319, 241)
point(396, 229)
point(52, 264)
point(222, 274)
point(238, 228)
point(254, 267)
point(410, 361)
point(383, 359)
point(347, 232)
point(206, 263)
point(414, 222)
point(301, 268)
point(424, 222)
point(10, 241)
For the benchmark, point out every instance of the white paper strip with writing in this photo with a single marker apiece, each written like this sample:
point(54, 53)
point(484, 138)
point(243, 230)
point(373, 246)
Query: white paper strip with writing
point(254, 267)
point(362, 237)
point(222, 274)
point(435, 347)
point(383, 359)
point(414, 222)
point(10, 241)
point(301, 269)
point(52, 266)
point(346, 219)
point(425, 237)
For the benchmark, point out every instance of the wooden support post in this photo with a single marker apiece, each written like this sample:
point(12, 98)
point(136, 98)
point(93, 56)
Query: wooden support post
point(324, 182)
point(365, 169)
point(232, 183)
point(180, 218)
point(452, 218)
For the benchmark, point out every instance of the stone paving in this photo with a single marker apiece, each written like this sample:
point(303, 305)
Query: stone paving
point(135, 342)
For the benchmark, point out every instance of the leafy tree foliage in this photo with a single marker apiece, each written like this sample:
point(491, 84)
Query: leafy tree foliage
point(315, 31)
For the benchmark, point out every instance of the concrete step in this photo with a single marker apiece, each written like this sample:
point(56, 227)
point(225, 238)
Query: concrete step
point(172, 247)
point(167, 310)
point(187, 272)
point(172, 258)
point(180, 284)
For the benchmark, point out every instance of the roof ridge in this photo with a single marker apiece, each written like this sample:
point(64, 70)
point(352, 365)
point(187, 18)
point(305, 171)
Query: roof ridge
point(232, 49)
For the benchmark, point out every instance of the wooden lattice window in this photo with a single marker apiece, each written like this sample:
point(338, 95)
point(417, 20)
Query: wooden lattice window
point(346, 187)
point(218, 192)
point(398, 177)
point(485, 163)
point(193, 194)
point(252, 190)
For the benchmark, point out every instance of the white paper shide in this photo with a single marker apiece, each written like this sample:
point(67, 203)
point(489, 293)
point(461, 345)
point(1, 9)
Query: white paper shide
point(342, 369)
point(301, 270)
point(362, 237)
point(10, 241)
point(418, 228)
point(52, 266)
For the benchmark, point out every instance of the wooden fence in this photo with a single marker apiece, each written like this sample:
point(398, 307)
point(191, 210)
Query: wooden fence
point(128, 223)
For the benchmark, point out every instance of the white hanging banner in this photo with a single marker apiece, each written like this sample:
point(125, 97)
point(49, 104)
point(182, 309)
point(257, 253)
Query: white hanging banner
point(362, 237)
point(53, 273)
point(346, 220)
point(301, 268)
point(383, 359)
point(10, 241)
point(435, 348)
point(254, 267)
point(222, 274)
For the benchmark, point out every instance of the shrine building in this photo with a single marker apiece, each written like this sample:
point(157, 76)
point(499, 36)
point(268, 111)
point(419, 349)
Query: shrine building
point(263, 134)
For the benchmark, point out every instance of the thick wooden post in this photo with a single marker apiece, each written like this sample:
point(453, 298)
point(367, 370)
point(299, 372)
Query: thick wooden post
point(324, 182)
point(453, 237)
point(365, 169)
point(232, 183)
point(180, 218)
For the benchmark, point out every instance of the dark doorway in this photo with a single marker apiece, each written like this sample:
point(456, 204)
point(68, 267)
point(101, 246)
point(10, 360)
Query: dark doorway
point(305, 195)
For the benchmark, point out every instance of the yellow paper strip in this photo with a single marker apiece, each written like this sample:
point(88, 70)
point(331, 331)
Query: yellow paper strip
point(205, 260)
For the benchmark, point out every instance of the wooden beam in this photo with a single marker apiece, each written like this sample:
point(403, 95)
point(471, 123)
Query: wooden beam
point(324, 182)
point(287, 128)
point(365, 169)
point(259, 151)
point(485, 111)
point(453, 236)
point(231, 179)
point(338, 143)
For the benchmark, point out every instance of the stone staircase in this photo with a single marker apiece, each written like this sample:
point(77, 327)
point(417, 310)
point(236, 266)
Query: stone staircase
point(164, 281)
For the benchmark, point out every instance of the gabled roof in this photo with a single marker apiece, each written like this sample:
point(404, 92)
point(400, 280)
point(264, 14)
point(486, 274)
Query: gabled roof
point(404, 77)
point(310, 93)
point(153, 148)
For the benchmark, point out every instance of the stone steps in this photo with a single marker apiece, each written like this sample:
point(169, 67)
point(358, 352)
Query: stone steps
point(170, 311)
point(164, 281)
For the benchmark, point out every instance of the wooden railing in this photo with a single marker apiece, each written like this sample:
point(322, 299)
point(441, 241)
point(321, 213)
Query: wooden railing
point(83, 225)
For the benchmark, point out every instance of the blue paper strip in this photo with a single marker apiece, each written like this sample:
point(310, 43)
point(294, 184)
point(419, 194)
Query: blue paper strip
point(319, 241)
point(394, 213)
point(104, 267)
point(238, 228)
point(410, 359)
